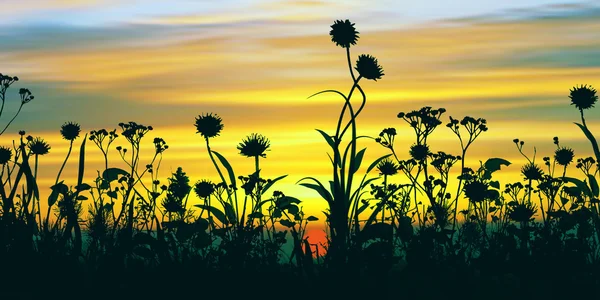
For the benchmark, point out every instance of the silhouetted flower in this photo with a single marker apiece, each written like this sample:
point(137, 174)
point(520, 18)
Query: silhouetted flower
point(476, 191)
point(564, 156)
point(254, 145)
point(419, 152)
point(70, 131)
point(532, 172)
point(5, 155)
point(172, 204)
point(343, 33)
point(38, 146)
point(522, 212)
point(26, 95)
point(387, 167)
point(204, 188)
point(209, 125)
point(583, 97)
point(367, 67)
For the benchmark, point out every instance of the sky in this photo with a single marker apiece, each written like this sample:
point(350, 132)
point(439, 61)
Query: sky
point(254, 63)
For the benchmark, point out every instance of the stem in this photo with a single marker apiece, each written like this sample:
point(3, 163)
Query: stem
point(64, 163)
point(11, 120)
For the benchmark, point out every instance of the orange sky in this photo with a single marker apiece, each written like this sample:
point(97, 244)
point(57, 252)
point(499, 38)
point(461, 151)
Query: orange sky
point(257, 74)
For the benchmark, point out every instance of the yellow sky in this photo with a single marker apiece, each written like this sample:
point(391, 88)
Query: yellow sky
point(516, 74)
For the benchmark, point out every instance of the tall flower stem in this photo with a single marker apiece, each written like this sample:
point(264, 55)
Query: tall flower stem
point(212, 158)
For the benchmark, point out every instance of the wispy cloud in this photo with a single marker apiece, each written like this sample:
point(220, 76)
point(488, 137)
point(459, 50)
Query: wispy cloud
point(257, 70)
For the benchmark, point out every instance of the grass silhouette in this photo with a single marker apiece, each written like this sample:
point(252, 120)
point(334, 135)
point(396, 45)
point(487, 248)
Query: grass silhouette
point(398, 233)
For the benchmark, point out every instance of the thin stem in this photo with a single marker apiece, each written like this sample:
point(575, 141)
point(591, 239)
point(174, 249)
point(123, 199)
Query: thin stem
point(11, 120)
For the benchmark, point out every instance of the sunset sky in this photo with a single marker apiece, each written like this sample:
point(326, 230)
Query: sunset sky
point(254, 63)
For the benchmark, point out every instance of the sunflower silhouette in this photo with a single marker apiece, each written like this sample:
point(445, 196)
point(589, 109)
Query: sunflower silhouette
point(368, 67)
point(343, 33)
point(209, 125)
point(583, 97)
point(70, 131)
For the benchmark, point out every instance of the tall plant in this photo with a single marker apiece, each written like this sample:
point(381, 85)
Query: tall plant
point(346, 158)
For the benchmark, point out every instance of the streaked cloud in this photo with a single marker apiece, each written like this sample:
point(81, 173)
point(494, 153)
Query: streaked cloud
point(256, 70)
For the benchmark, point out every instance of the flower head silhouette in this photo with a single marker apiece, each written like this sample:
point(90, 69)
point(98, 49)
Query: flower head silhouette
point(387, 167)
point(476, 191)
point(343, 33)
point(5, 155)
point(209, 125)
point(522, 212)
point(531, 171)
point(564, 156)
point(254, 145)
point(368, 67)
point(70, 131)
point(419, 152)
point(204, 188)
point(38, 146)
point(583, 97)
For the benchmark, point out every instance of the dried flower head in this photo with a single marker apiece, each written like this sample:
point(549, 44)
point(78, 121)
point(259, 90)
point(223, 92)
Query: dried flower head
point(388, 167)
point(564, 156)
point(209, 125)
point(522, 212)
point(368, 67)
point(70, 131)
point(204, 188)
point(419, 152)
point(38, 146)
point(531, 171)
point(5, 155)
point(343, 33)
point(583, 97)
point(254, 145)
point(476, 191)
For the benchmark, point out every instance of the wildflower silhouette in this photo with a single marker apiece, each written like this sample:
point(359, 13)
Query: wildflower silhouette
point(583, 97)
point(38, 146)
point(419, 152)
point(204, 189)
point(564, 156)
point(532, 171)
point(343, 33)
point(70, 131)
point(5, 155)
point(209, 125)
point(341, 198)
point(367, 67)
point(254, 145)
point(25, 94)
point(387, 167)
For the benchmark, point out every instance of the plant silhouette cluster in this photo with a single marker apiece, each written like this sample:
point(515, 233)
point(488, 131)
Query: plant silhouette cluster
point(393, 228)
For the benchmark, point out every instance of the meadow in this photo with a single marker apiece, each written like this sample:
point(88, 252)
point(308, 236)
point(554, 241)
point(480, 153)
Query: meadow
point(393, 225)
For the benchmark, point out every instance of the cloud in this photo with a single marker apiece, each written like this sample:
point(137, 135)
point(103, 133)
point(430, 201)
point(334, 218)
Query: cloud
point(257, 72)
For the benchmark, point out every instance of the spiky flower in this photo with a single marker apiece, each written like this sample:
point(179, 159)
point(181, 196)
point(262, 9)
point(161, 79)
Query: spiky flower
point(368, 67)
point(254, 145)
point(209, 125)
point(476, 191)
point(522, 212)
point(419, 152)
point(343, 33)
point(38, 146)
point(5, 155)
point(387, 167)
point(583, 97)
point(564, 156)
point(531, 171)
point(70, 131)
point(204, 188)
